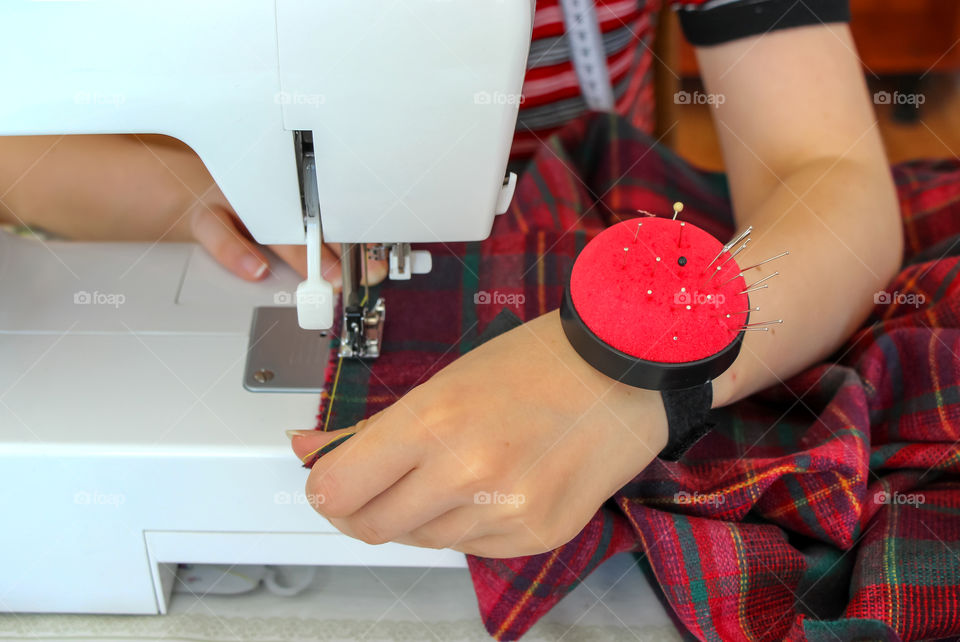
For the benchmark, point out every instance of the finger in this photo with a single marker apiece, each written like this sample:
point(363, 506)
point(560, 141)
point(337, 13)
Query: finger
point(368, 463)
point(503, 546)
point(293, 255)
point(414, 501)
point(311, 445)
point(449, 530)
point(330, 264)
point(214, 228)
point(376, 271)
point(296, 257)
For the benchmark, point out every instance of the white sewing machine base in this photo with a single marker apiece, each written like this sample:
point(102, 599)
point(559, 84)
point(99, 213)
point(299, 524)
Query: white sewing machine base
point(128, 443)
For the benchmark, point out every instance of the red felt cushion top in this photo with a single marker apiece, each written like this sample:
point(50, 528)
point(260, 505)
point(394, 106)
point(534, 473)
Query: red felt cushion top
point(653, 309)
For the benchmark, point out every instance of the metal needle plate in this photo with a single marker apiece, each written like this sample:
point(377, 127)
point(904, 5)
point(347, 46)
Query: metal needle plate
point(282, 356)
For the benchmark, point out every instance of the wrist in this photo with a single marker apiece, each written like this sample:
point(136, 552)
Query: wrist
point(725, 388)
point(639, 417)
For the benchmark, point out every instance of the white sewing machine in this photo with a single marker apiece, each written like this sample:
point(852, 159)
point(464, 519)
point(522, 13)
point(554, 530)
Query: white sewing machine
point(141, 423)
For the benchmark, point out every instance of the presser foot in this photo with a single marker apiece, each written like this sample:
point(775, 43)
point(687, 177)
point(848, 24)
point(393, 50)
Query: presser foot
point(362, 332)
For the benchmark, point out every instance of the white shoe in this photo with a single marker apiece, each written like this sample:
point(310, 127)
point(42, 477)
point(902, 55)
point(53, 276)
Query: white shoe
point(223, 579)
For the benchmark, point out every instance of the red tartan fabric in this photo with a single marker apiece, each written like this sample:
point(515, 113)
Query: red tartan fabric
point(824, 508)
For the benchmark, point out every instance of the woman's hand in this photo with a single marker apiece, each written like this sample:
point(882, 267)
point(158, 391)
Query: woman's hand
point(508, 451)
point(136, 188)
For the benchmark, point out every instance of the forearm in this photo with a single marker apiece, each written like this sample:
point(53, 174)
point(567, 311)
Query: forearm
point(839, 220)
point(98, 187)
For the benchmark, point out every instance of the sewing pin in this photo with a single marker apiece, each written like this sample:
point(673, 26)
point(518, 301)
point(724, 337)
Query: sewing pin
point(737, 251)
point(762, 323)
point(744, 234)
point(727, 247)
point(763, 279)
point(677, 208)
point(757, 309)
point(752, 284)
point(749, 290)
point(720, 267)
point(680, 238)
point(772, 258)
point(625, 256)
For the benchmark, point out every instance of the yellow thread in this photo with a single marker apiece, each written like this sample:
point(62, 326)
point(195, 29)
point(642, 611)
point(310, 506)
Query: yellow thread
point(314, 452)
point(333, 392)
point(366, 280)
point(336, 376)
point(309, 455)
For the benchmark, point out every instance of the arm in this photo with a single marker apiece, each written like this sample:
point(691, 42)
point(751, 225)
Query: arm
point(120, 188)
point(525, 416)
point(807, 169)
point(134, 188)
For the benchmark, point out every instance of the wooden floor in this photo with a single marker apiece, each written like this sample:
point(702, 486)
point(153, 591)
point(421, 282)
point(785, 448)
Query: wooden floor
point(936, 134)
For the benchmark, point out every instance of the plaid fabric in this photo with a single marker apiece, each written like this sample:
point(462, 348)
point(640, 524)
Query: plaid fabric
point(824, 508)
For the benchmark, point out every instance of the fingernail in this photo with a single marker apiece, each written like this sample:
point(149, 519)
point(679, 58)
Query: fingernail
point(253, 266)
point(299, 433)
point(311, 458)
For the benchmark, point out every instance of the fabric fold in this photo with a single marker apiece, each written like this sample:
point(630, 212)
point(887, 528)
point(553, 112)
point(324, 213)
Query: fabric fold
point(825, 507)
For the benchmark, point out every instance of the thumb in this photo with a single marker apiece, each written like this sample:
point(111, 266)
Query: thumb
point(216, 230)
point(311, 445)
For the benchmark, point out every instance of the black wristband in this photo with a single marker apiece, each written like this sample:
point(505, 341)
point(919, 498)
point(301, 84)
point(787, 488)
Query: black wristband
point(687, 410)
point(727, 21)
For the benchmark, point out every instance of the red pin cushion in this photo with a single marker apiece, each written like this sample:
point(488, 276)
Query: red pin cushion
point(647, 305)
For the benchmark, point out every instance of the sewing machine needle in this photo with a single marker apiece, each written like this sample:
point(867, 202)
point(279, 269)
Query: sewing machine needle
point(727, 247)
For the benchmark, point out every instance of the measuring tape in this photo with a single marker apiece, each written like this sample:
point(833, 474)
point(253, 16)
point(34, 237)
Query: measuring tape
point(589, 57)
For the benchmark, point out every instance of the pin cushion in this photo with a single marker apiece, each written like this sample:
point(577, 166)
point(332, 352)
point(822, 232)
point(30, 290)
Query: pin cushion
point(660, 304)
point(646, 305)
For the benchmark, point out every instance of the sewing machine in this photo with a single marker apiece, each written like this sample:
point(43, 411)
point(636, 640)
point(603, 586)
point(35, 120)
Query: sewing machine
point(140, 410)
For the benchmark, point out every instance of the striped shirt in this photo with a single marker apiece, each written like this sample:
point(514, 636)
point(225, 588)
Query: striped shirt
point(570, 37)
